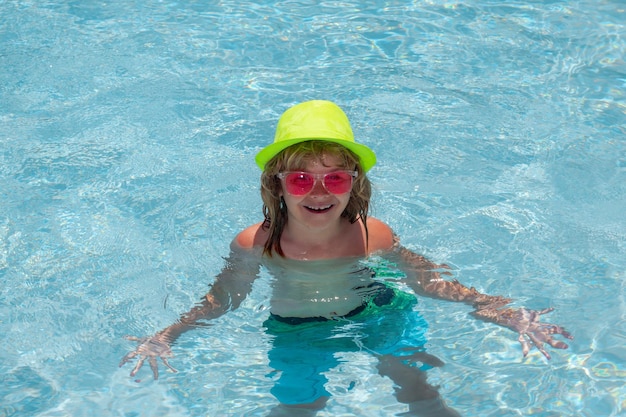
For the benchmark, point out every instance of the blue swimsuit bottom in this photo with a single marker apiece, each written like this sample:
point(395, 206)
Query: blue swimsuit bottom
point(304, 349)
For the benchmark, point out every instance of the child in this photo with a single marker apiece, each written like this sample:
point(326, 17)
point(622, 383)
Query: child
point(319, 245)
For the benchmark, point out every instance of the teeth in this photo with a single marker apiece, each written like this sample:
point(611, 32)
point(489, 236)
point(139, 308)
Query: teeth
point(320, 208)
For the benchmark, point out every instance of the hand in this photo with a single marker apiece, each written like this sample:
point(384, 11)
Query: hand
point(149, 348)
point(526, 323)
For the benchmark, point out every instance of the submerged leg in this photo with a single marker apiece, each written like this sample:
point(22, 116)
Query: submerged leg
point(300, 357)
point(411, 385)
point(299, 410)
point(434, 407)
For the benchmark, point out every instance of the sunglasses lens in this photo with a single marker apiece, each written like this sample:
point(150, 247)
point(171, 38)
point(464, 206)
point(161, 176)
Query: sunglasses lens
point(338, 182)
point(299, 183)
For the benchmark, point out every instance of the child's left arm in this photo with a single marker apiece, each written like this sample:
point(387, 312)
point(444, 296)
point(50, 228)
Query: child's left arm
point(424, 277)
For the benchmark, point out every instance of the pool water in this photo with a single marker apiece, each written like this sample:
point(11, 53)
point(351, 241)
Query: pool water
point(128, 132)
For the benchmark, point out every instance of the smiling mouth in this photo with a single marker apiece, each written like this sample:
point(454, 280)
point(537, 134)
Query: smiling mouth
point(322, 209)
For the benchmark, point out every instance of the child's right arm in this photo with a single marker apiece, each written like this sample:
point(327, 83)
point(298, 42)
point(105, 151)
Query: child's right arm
point(227, 292)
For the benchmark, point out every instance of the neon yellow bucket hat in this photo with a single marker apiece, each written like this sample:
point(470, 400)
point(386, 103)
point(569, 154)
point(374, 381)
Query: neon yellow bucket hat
point(315, 120)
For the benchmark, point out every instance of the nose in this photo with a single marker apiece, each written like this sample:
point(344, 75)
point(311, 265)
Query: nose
point(318, 188)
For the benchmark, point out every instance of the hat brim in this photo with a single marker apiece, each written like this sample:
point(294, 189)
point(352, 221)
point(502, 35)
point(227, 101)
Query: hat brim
point(367, 157)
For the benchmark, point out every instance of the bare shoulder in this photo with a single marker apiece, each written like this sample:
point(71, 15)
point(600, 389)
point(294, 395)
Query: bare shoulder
point(381, 237)
point(252, 236)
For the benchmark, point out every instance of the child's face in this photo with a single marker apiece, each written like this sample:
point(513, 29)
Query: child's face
point(319, 208)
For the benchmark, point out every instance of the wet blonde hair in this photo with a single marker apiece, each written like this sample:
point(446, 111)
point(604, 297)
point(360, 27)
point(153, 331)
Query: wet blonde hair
point(295, 158)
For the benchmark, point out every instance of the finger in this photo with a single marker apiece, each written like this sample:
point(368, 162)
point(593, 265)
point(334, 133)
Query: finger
point(154, 367)
point(138, 366)
point(554, 329)
point(168, 364)
point(559, 330)
point(133, 338)
point(553, 342)
point(557, 344)
point(539, 344)
point(545, 311)
point(525, 344)
point(128, 357)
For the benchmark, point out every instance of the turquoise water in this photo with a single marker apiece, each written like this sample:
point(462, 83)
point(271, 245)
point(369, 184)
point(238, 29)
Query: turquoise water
point(128, 131)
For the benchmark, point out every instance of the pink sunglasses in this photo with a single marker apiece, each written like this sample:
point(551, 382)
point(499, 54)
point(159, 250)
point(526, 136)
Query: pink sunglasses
point(300, 183)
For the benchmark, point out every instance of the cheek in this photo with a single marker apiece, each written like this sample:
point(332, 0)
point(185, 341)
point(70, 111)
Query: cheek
point(288, 199)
